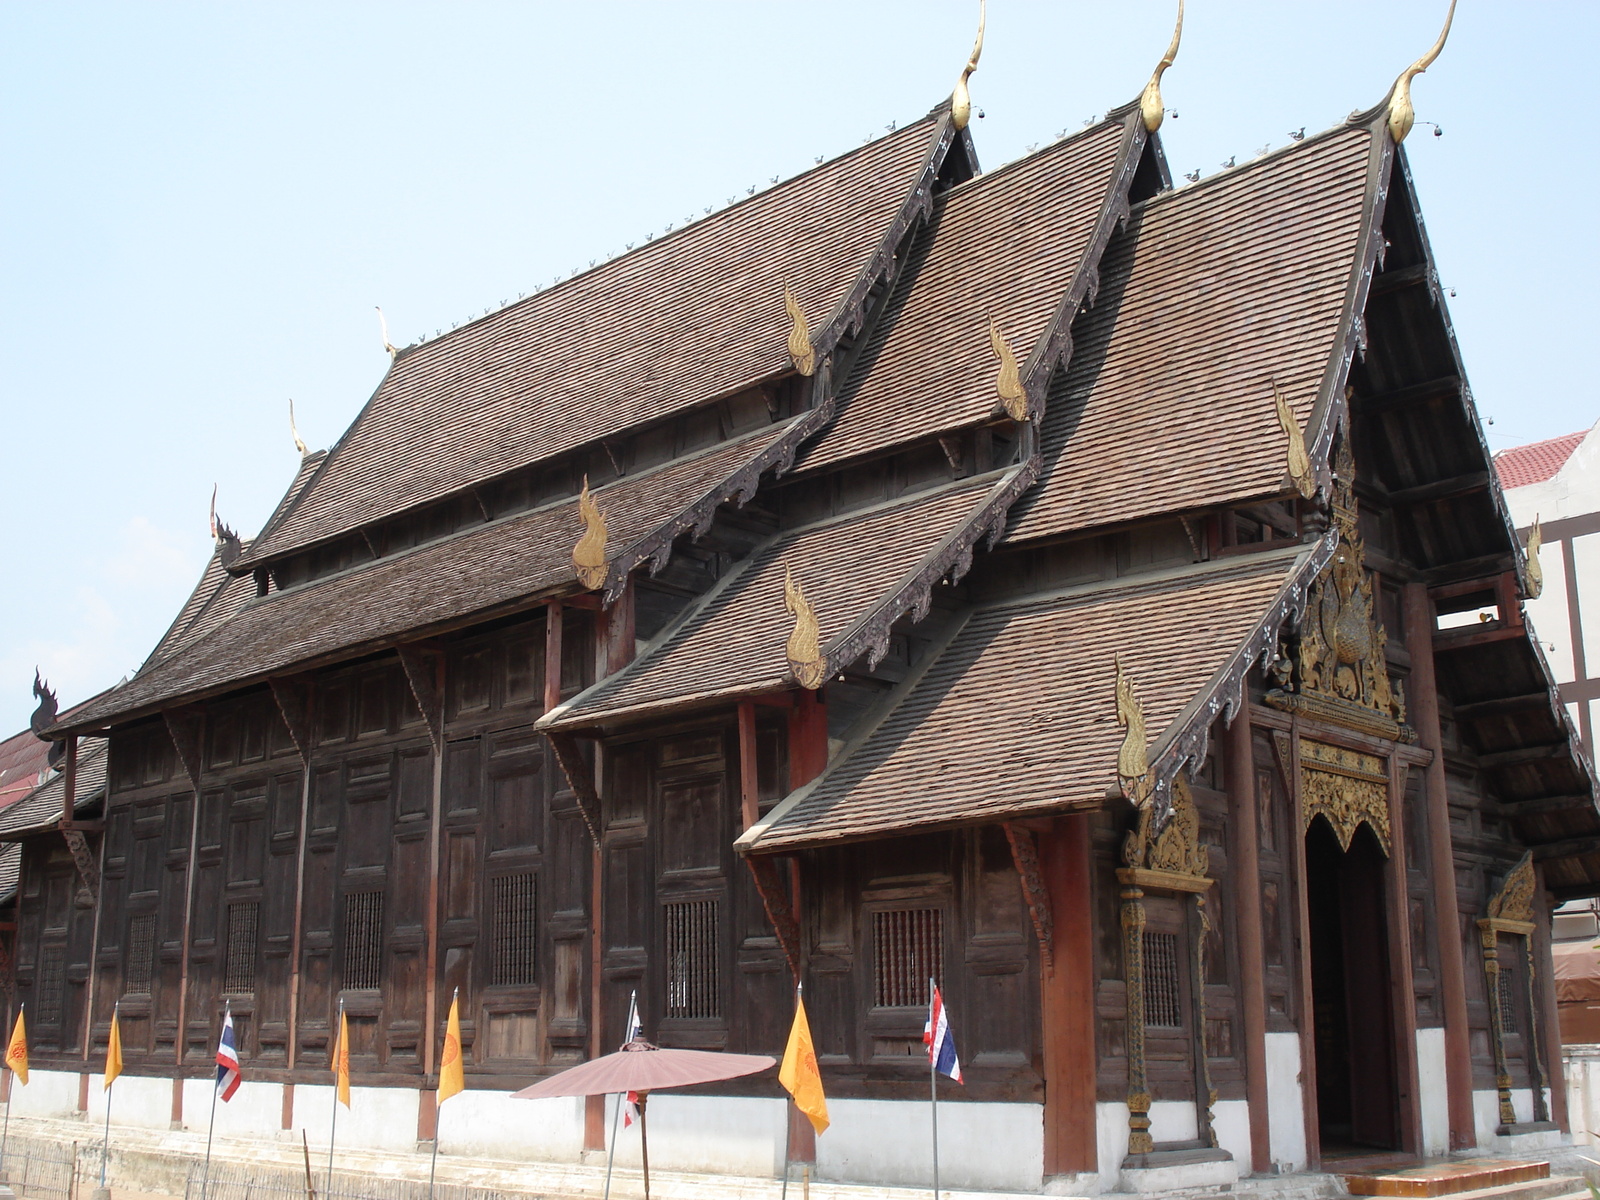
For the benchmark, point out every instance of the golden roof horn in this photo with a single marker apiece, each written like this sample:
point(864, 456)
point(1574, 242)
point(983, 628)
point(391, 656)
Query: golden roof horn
point(804, 650)
point(589, 555)
point(1009, 382)
point(961, 99)
point(800, 351)
point(1150, 106)
point(1133, 763)
point(1299, 462)
point(1401, 115)
point(1532, 572)
point(295, 433)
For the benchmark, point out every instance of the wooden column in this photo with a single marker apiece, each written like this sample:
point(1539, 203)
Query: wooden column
point(1423, 697)
point(1066, 862)
point(1302, 919)
point(1402, 987)
point(1243, 823)
point(1550, 1017)
point(553, 613)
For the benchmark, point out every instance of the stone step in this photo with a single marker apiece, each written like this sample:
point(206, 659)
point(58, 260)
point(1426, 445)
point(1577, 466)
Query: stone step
point(1459, 1178)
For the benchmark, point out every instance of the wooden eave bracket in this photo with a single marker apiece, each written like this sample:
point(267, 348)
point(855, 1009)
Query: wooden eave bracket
point(775, 900)
point(186, 726)
point(424, 668)
point(294, 696)
point(83, 859)
point(581, 776)
point(1025, 854)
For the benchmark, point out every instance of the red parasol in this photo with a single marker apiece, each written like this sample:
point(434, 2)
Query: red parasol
point(641, 1067)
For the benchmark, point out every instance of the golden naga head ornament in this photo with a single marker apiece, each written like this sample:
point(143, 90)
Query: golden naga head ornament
point(1401, 115)
point(804, 650)
point(800, 351)
point(1150, 106)
point(1299, 462)
point(589, 555)
point(1133, 762)
point(1008, 384)
point(961, 99)
point(1532, 572)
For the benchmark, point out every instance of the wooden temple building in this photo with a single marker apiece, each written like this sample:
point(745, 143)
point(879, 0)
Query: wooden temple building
point(1029, 579)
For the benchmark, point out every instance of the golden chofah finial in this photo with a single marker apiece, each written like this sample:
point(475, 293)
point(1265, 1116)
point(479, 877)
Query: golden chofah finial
point(383, 332)
point(804, 649)
point(589, 555)
point(1298, 460)
point(1009, 382)
point(1150, 106)
point(800, 351)
point(961, 99)
point(1401, 115)
point(1133, 764)
point(1533, 573)
point(295, 433)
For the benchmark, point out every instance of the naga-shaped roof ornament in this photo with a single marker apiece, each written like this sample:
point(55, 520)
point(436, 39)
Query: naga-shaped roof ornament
point(383, 331)
point(1008, 384)
point(589, 555)
point(1298, 461)
point(1150, 106)
point(804, 649)
point(1133, 761)
point(1401, 115)
point(45, 715)
point(295, 433)
point(801, 352)
point(961, 99)
point(1532, 572)
point(228, 545)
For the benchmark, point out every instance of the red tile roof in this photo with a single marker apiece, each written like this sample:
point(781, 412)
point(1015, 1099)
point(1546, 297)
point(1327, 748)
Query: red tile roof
point(22, 758)
point(1537, 461)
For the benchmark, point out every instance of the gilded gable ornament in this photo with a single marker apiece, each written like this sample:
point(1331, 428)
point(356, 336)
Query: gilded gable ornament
point(1514, 900)
point(1009, 382)
point(800, 351)
point(1297, 460)
point(1133, 763)
point(960, 98)
point(1177, 849)
point(804, 649)
point(589, 555)
point(1532, 572)
point(1401, 115)
point(1151, 108)
point(1338, 670)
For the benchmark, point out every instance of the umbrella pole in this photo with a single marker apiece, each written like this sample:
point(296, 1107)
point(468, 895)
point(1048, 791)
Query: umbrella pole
point(611, 1158)
point(644, 1143)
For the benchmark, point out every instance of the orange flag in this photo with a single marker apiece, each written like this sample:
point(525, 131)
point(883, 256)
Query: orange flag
point(113, 1052)
point(798, 1072)
point(341, 1059)
point(17, 1050)
point(451, 1074)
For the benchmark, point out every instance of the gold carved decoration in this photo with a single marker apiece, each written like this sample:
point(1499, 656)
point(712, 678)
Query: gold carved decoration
point(1133, 763)
point(1150, 106)
point(800, 351)
point(589, 555)
point(1345, 787)
point(1511, 912)
point(1514, 900)
point(1532, 572)
point(1340, 672)
point(295, 433)
point(1009, 383)
point(804, 650)
point(1174, 859)
point(1299, 461)
point(960, 98)
point(1401, 115)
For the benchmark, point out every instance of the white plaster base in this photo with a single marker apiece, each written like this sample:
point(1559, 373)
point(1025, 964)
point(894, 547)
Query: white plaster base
point(1486, 1117)
point(1111, 1140)
point(1285, 1103)
point(1230, 1121)
point(988, 1147)
point(1432, 1095)
point(1147, 1181)
point(48, 1094)
point(136, 1100)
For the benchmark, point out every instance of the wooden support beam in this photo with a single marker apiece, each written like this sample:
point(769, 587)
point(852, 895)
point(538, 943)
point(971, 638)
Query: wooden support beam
point(1501, 706)
point(1402, 987)
point(1423, 695)
point(296, 699)
point(749, 777)
point(1544, 806)
point(1440, 489)
point(1550, 1018)
point(581, 776)
point(1522, 755)
point(424, 668)
point(1447, 641)
point(1243, 826)
point(1442, 388)
point(1066, 864)
point(1483, 566)
point(553, 614)
point(1400, 277)
point(186, 727)
point(1578, 847)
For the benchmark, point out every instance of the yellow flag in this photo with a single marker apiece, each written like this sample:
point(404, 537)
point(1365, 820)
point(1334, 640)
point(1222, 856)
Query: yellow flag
point(17, 1050)
point(799, 1074)
point(451, 1077)
point(113, 1052)
point(341, 1060)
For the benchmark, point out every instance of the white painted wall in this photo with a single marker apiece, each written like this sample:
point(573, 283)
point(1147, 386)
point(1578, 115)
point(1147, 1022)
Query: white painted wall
point(1285, 1102)
point(1581, 1066)
point(49, 1094)
point(1111, 1135)
point(1435, 1099)
point(987, 1147)
point(1230, 1119)
point(136, 1100)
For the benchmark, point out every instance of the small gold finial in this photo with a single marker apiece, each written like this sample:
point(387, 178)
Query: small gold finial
point(295, 433)
point(1401, 115)
point(800, 351)
point(961, 99)
point(213, 517)
point(383, 332)
point(804, 649)
point(1133, 763)
point(1299, 460)
point(1009, 382)
point(1150, 106)
point(589, 555)
point(1532, 572)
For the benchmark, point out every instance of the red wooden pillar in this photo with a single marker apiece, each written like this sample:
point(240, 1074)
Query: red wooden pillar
point(808, 758)
point(1243, 819)
point(1549, 1015)
point(1066, 860)
point(1423, 696)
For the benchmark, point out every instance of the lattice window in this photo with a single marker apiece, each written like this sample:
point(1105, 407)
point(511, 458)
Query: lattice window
point(52, 984)
point(139, 963)
point(516, 906)
point(907, 951)
point(239, 961)
point(693, 980)
point(363, 939)
point(1161, 1004)
point(1508, 1001)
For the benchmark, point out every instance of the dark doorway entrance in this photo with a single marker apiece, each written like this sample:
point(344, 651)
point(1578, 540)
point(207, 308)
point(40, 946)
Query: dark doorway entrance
point(1357, 1091)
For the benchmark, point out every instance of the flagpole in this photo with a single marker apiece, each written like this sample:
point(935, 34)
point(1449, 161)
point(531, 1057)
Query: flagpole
point(105, 1145)
point(933, 1086)
point(11, 1086)
point(333, 1121)
point(438, 1108)
point(211, 1129)
point(788, 1116)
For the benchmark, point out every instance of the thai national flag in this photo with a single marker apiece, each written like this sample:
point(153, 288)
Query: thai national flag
point(227, 1060)
point(940, 1041)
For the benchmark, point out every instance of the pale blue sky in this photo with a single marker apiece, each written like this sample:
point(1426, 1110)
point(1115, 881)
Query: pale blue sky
point(201, 204)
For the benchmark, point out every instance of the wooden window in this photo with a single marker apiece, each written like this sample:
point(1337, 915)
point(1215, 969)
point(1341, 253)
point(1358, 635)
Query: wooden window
point(1161, 993)
point(1508, 1001)
point(516, 906)
point(239, 960)
point(363, 940)
point(693, 981)
point(907, 951)
point(138, 964)
point(52, 983)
